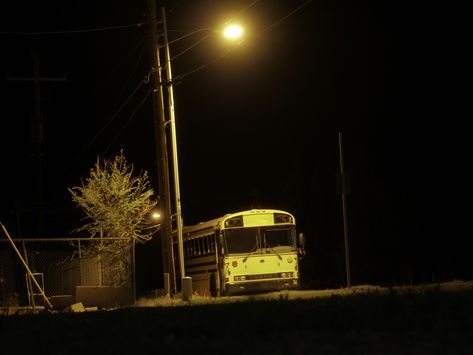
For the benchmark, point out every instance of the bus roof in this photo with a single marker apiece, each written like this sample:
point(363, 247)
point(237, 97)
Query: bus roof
point(219, 223)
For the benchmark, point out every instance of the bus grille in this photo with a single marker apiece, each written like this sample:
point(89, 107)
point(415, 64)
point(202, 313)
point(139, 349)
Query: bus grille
point(269, 276)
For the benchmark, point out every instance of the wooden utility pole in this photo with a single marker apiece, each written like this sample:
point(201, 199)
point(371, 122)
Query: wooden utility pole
point(161, 146)
point(38, 136)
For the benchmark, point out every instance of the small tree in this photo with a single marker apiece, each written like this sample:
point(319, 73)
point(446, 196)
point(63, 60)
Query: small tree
point(116, 204)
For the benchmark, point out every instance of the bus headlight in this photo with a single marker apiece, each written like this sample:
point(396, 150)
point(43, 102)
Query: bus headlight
point(240, 278)
point(287, 274)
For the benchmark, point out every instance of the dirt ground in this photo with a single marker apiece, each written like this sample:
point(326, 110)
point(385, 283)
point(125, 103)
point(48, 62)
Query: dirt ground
point(427, 321)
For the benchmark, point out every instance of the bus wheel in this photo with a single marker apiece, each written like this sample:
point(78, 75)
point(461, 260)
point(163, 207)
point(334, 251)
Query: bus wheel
point(213, 285)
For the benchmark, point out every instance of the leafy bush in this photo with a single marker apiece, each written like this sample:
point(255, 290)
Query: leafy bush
point(116, 204)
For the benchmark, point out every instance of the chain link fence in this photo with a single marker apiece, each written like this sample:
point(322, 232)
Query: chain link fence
point(60, 265)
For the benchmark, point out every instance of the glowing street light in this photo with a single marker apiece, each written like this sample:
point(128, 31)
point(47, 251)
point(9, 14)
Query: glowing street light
point(233, 32)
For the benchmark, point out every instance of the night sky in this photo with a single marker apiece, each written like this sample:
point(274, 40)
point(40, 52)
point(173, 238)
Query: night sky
point(257, 127)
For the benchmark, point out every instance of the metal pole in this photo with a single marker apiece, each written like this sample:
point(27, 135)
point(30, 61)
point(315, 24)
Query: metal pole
point(345, 219)
point(29, 286)
point(172, 118)
point(161, 146)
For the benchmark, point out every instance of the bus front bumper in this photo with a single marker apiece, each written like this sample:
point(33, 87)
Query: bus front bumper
point(261, 286)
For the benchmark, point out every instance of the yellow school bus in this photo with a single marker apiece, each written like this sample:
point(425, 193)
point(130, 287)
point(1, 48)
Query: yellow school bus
point(249, 251)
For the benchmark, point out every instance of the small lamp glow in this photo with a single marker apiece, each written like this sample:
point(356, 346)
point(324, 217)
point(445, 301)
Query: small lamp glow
point(155, 215)
point(233, 32)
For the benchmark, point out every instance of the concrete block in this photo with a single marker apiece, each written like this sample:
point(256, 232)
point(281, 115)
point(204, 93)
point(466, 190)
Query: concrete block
point(76, 307)
point(104, 296)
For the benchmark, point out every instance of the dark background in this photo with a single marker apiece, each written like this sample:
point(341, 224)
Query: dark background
point(257, 128)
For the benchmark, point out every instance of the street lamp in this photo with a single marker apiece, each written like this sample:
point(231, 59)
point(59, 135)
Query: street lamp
point(233, 31)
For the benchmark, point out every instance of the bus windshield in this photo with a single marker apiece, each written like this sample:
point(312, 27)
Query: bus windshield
point(278, 238)
point(241, 240)
point(247, 240)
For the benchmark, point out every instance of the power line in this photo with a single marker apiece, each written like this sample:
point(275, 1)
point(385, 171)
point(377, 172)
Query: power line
point(175, 6)
point(203, 66)
point(73, 161)
point(189, 48)
point(243, 10)
point(143, 100)
point(121, 62)
point(285, 17)
point(99, 29)
point(112, 118)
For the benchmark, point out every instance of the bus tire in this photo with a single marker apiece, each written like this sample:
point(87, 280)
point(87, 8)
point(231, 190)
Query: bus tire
point(213, 285)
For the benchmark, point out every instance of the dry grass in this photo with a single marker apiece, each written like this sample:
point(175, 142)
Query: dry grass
point(455, 285)
point(364, 320)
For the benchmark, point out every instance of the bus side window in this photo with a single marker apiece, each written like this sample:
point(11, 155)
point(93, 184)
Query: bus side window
point(221, 243)
point(188, 248)
point(212, 243)
point(191, 246)
point(207, 247)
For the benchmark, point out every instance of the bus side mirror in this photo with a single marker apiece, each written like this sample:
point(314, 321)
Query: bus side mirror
point(301, 243)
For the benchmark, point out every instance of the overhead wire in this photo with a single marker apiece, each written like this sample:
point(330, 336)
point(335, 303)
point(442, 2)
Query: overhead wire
point(123, 60)
point(72, 162)
point(145, 80)
point(112, 118)
point(142, 82)
point(117, 112)
point(148, 93)
point(175, 6)
point(285, 17)
point(98, 29)
point(189, 48)
point(127, 122)
point(243, 10)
